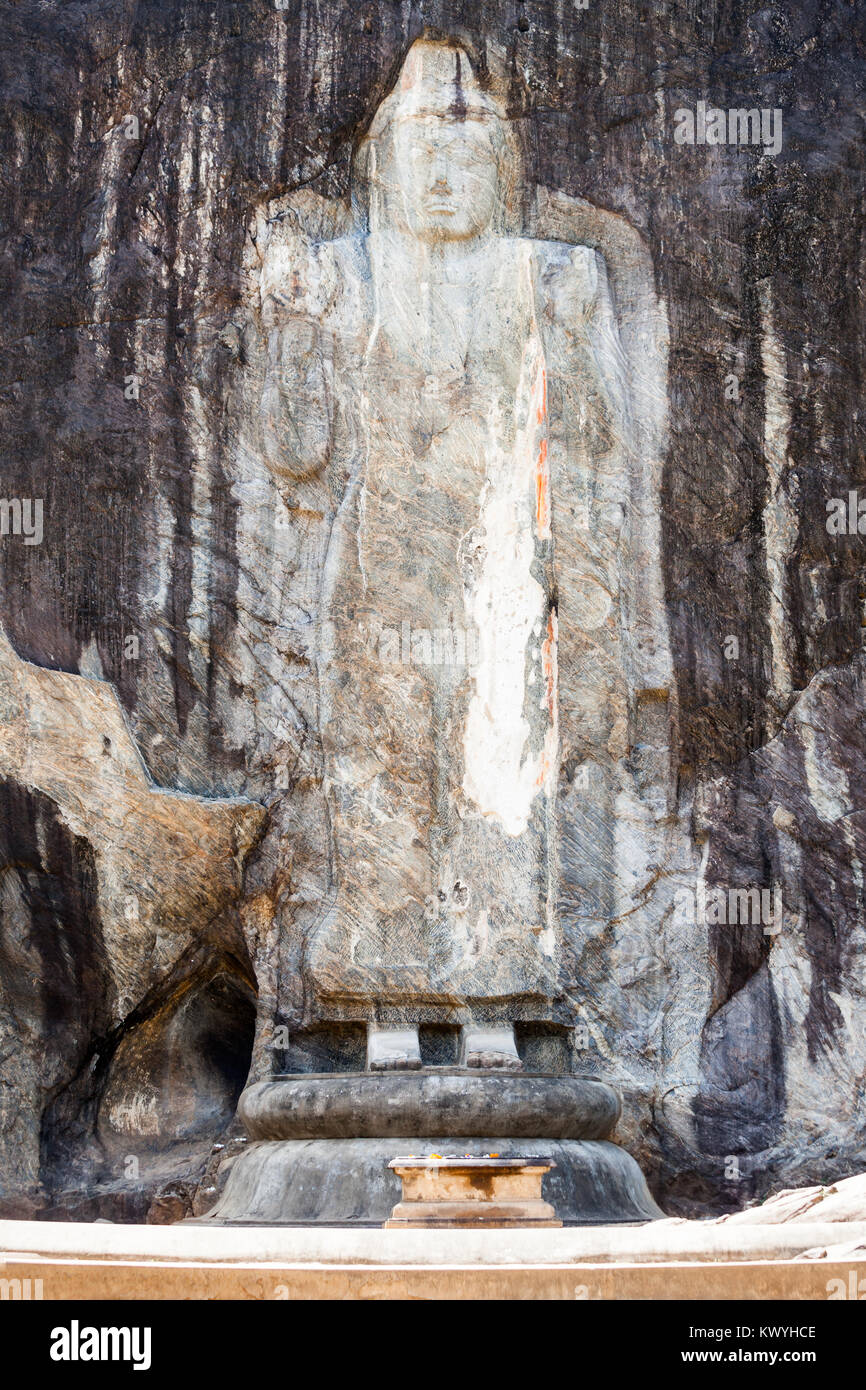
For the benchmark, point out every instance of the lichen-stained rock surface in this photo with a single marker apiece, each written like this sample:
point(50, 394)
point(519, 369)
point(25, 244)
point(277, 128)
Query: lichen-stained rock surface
point(170, 606)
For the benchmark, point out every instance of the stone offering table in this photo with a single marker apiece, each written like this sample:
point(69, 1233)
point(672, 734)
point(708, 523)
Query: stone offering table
point(487, 1191)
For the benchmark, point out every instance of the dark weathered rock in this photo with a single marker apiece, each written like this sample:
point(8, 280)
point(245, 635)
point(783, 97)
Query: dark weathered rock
point(741, 1052)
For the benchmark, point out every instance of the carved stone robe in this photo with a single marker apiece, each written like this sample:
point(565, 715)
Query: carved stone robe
point(468, 445)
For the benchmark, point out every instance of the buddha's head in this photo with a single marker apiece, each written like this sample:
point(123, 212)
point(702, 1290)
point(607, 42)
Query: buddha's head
point(439, 147)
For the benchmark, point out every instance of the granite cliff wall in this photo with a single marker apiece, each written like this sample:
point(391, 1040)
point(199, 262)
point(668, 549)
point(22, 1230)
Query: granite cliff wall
point(146, 899)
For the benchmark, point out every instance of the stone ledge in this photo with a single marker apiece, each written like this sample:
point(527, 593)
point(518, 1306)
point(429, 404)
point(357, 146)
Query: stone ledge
point(654, 1242)
point(147, 1279)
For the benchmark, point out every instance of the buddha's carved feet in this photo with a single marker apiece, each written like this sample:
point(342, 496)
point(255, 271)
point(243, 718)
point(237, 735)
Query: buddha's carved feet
point(489, 1048)
point(483, 1046)
point(392, 1049)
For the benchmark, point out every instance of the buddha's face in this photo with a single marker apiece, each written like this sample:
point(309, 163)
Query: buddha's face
point(446, 174)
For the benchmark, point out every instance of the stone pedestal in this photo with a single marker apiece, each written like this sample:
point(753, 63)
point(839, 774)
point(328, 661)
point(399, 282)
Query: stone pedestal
point(445, 1192)
point(322, 1144)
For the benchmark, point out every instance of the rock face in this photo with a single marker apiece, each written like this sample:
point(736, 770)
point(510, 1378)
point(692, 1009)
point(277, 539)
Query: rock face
point(127, 1011)
point(189, 728)
point(843, 1201)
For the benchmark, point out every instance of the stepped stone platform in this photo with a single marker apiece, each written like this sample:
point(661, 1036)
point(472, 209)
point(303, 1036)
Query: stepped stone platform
point(668, 1260)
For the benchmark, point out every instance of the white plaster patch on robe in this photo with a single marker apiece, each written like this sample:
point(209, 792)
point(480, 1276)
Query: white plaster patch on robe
point(509, 608)
point(547, 941)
